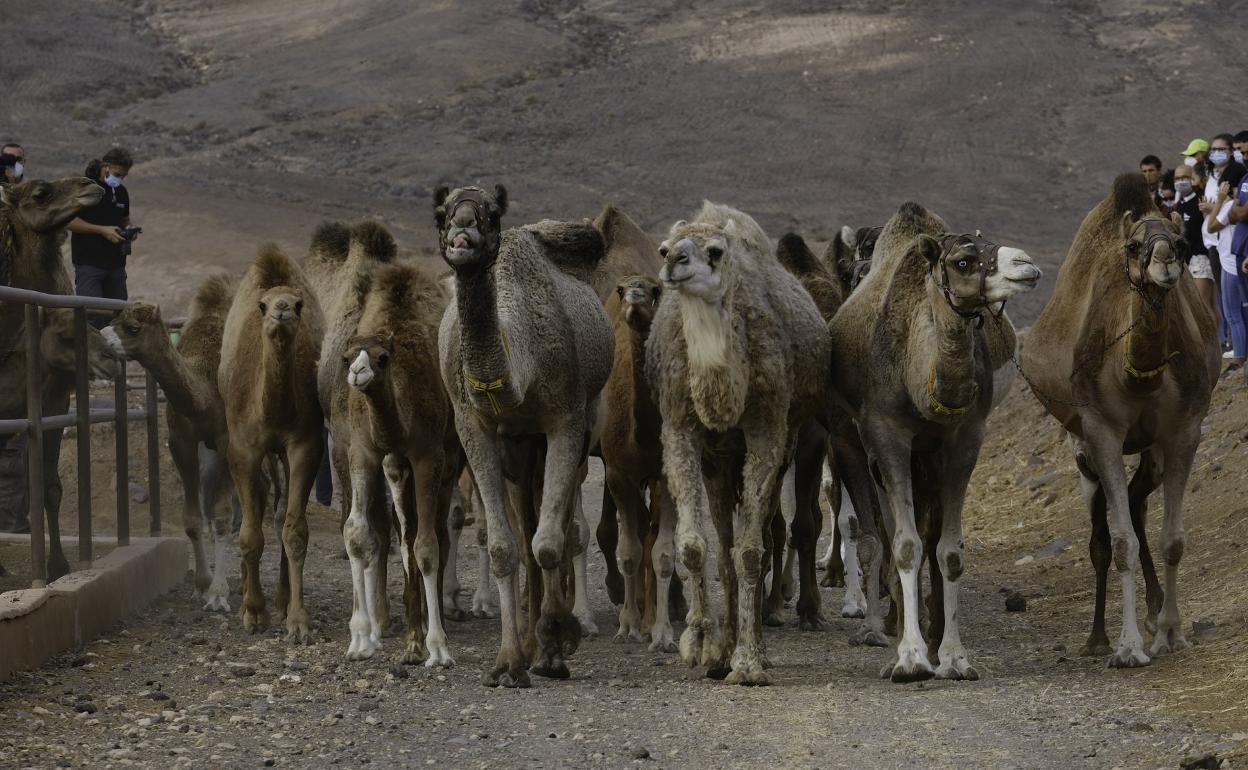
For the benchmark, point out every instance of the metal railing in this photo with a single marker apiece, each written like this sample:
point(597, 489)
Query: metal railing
point(82, 418)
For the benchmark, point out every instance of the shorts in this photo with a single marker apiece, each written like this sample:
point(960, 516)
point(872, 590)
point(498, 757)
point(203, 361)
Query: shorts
point(1200, 267)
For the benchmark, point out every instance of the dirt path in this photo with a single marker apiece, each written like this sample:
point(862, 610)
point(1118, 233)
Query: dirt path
point(179, 687)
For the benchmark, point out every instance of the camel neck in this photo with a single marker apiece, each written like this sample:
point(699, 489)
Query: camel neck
point(644, 411)
point(483, 346)
point(385, 422)
point(276, 370)
point(1145, 353)
point(187, 391)
point(951, 386)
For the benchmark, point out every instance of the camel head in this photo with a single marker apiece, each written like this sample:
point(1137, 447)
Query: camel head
point(1156, 251)
point(469, 226)
point(137, 330)
point(281, 308)
point(56, 346)
point(852, 251)
point(695, 256)
point(974, 273)
point(639, 296)
point(42, 206)
point(367, 359)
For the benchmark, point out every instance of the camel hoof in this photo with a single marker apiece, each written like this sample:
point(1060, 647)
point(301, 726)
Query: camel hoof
point(809, 623)
point(775, 619)
point(552, 668)
point(822, 564)
point(454, 614)
point(749, 678)
point(853, 611)
point(832, 579)
point(589, 629)
point(216, 603)
point(1167, 643)
point(254, 622)
point(57, 568)
point(484, 612)
point(412, 656)
point(911, 666)
point(957, 671)
point(615, 588)
point(786, 590)
point(1095, 649)
point(440, 659)
point(868, 637)
point(663, 645)
point(1128, 658)
point(505, 676)
point(718, 671)
point(691, 643)
point(298, 634)
point(627, 636)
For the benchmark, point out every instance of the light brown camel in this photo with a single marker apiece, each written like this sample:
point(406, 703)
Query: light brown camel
point(525, 349)
point(914, 369)
point(738, 360)
point(633, 457)
point(267, 381)
point(33, 216)
point(196, 418)
point(401, 422)
point(1125, 309)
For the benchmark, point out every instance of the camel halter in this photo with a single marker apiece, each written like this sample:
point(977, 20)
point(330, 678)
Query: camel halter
point(986, 264)
point(493, 386)
point(937, 406)
point(1156, 230)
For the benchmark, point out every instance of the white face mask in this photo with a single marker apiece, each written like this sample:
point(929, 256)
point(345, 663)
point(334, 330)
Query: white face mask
point(1238, 155)
point(112, 181)
point(1190, 161)
point(18, 170)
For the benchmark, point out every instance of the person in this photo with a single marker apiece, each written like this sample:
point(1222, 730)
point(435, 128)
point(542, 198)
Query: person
point(1217, 225)
point(1241, 148)
point(1165, 193)
point(1196, 154)
point(1150, 167)
point(1222, 166)
point(13, 159)
point(98, 243)
point(1187, 206)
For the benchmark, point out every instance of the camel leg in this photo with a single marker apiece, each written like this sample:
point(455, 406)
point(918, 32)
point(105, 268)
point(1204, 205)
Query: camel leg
point(557, 630)
point(1105, 446)
point(485, 457)
point(788, 508)
point(185, 455)
point(662, 638)
point(216, 492)
point(581, 608)
point(427, 480)
point(759, 476)
point(894, 465)
point(862, 524)
point(627, 496)
point(482, 602)
point(58, 565)
point(1180, 451)
point(304, 458)
point(276, 466)
point(246, 466)
point(360, 538)
point(722, 637)
point(954, 663)
point(682, 466)
point(1147, 477)
point(855, 603)
point(775, 543)
point(807, 523)
point(450, 584)
point(608, 535)
point(832, 561)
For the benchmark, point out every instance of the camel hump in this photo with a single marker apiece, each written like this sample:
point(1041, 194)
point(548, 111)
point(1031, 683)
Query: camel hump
point(374, 240)
point(617, 227)
point(1130, 194)
point(331, 242)
point(213, 297)
point(575, 248)
point(796, 256)
point(401, 285)
point(273, 267)
point(911, 214)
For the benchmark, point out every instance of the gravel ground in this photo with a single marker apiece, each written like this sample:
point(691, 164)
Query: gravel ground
point(182, 688)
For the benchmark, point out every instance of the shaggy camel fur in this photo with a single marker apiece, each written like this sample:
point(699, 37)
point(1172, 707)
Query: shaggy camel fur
point(401, 423)
point(32, 219)
point(1124, 278)
point(632, 454)
point(916, 374)
point(196, 417)
point(738, 360)
point(267, 381)
point(525, 349)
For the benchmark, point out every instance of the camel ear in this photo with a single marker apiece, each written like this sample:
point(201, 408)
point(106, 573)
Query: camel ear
point(500, 198)
point(439, 198)
point(928, 246)
point(1126, 225)
point(849, 237)
point(619, 290)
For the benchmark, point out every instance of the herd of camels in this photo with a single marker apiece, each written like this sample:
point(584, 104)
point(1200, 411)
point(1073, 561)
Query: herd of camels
point(725, 381)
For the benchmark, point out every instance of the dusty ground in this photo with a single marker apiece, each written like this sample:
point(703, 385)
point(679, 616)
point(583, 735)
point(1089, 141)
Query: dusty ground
point(168, 690)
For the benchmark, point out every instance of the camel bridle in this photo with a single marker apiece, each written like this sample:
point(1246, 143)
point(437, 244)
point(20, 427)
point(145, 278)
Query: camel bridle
point(1156, 230)
point(469, 196)
point(986, 253)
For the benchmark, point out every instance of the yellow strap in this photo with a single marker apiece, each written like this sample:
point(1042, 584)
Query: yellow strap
point(489, 388)
point(1142, 373)
point(939, 408)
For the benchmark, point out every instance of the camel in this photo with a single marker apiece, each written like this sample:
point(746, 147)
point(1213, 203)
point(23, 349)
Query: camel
point(915, 372)
point(632, 454)
point(525, 349)
point(401, 423)
point(33, 216)
point(1099, 357)
point(56, 357)
point(738, 362)
point(468, 500)
point(267, 381)
point(849, 255)
point(198, 436)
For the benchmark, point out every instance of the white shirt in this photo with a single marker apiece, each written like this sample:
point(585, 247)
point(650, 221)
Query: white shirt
point(1223, 237)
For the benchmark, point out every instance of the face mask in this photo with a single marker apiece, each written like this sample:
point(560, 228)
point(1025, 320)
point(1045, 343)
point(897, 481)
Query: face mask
point(1238, 155)
point(112, 181)
point(1183, 187)
point(18, 170)
point(1189, 161)
point(1219, 157)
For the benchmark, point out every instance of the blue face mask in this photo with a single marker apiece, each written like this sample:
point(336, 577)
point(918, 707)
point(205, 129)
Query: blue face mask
point(1183, 187)
point(1219, 157)
point(112, 181)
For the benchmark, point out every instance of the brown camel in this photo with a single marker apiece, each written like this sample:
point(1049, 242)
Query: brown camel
point(401, 422)
point(267, 381)
point(32, 219)
point(525, 349)
point(738, 360)
point(1123, 309)
point(56, 357)
point(849, 255)
point(914, 369)
point(195, 417)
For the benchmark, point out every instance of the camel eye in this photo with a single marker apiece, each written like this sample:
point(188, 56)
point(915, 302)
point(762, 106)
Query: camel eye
point(1133, 247)
point(715, 253)
point(383, 358)
point(619, 290)
point(132, 329)
point(663, 251)
point(963, 264)
point(264, 308)
point(299, 307)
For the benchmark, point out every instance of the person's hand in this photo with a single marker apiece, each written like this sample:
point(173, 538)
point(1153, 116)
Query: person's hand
point(109, 233)
point(1224, 190)
point(1205, 207)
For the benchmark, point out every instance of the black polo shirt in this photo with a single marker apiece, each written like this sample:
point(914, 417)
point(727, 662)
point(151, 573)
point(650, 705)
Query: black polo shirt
point(1192, 220)
point(93, 250)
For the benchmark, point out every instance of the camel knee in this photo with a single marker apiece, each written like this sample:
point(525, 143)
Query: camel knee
point(358, 538)
point(1126, 550)
point(748, 561)
point(693, 554)
point(951, 561)
point(1173, 549)
point(548, 550)
point(502, 559)
point(426, 556)
point(907, 552)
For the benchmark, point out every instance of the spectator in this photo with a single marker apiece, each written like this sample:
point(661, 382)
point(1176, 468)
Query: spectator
point(15, 170)
point(1217, 224)
point(1164, 196)
point(1200, 173)
point(1187, 205)
point(1241, 148)
point(98, 246)
point(1222, 167)
point(1150, 167)
point(1196, 154)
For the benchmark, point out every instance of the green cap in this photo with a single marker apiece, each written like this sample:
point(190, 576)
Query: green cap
point(1196, 145)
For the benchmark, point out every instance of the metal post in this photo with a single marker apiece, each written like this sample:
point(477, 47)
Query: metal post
point(122, 460)
point(34, 448)
point(153, 456)
point(82, 399)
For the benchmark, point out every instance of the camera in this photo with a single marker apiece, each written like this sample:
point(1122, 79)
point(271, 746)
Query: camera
point(129, 234)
